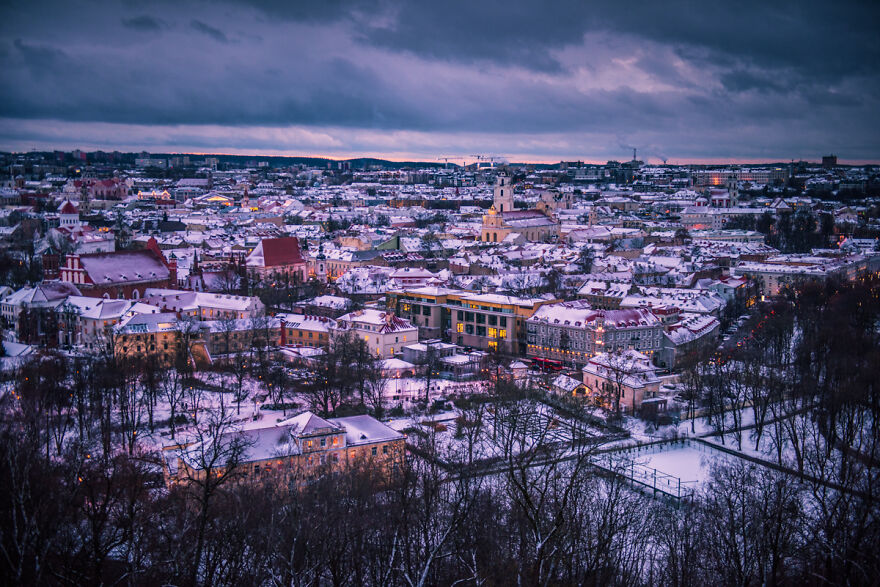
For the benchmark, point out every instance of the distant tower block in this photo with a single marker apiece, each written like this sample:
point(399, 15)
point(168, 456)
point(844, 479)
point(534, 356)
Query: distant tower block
point(829, 161)
point(503, 193)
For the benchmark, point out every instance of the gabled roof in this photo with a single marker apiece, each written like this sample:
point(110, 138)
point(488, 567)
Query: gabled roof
point(365, 430)
point(276, 252)
point(68, 208)
point(124, 267)
point(308, 423)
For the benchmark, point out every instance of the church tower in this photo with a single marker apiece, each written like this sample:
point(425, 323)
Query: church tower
point(503, 193)
point(733, 191)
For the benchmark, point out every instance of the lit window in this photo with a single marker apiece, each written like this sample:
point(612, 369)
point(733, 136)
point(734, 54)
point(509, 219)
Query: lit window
point(493, 345)
point(493, 332)
point(459, 327)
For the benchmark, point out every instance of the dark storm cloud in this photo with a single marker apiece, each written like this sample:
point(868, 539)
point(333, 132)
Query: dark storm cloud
point(207, 29)
point(40, 60)
point(143, 23)
point(678, 76)
point(740, 80)
point(313, 10)
point(829, 39)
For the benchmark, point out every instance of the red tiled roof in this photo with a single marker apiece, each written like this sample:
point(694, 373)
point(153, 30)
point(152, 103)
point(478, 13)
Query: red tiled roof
point(68, 208)
point(281, 251)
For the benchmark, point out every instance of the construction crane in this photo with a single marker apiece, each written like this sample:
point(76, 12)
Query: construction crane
point(492, 159)
point(448, 159)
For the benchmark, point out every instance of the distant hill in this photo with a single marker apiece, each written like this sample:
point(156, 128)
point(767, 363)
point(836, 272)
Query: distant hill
point(356, 164)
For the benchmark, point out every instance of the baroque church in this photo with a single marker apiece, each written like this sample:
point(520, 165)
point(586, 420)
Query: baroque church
point(502, 220)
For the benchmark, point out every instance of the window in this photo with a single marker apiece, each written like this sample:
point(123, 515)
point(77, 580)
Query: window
point(375, 451)
point(384, 449)
point(459, 327)
point(426, 310)
point(493, 320)
point(459, 315)
point(481, 331)
point(493, 332)
point(493, 345)
point(469, 329)
point(502, 321)
point(481, 318)
point(469, 316)
point(323, 442)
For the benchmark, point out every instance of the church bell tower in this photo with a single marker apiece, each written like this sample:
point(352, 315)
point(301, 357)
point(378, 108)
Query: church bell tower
point(503, 193)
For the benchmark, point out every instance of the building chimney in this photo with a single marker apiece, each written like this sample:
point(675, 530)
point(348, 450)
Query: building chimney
point(172, 273)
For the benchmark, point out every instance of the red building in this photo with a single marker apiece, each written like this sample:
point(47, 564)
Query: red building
point(278, 256)
point(103, 189)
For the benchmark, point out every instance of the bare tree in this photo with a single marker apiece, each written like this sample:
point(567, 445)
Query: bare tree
point(210, 463)
point(239, 367)
point(335, 373)
point(173, 391)
point(279, 385)
point(540, 485)
point(429, 365)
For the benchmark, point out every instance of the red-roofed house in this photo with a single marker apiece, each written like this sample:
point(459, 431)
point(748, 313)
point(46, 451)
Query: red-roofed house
point(278, 256)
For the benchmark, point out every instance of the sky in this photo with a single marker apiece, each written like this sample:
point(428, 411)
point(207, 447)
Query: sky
point(683, 81)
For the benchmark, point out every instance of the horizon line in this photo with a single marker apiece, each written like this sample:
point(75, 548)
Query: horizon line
point(413, 158)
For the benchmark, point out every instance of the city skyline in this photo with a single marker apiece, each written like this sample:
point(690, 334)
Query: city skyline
point(686, 83)
point(467, 161)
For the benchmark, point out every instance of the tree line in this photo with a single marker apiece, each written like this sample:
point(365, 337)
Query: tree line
point(84, 501)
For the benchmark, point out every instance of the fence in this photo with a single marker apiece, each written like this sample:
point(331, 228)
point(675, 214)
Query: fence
point(623, 462)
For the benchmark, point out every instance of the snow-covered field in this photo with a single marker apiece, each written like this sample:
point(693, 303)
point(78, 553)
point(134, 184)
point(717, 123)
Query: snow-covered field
point(677, 468)
point(688, 463)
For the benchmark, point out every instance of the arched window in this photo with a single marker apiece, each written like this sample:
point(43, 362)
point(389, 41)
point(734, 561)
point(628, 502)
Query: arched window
point(494, 237)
